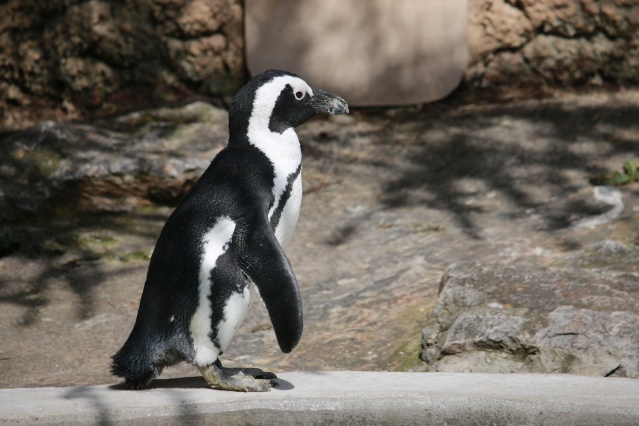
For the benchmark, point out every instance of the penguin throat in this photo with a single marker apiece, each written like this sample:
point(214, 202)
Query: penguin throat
point(284, 153)
point(282, 148)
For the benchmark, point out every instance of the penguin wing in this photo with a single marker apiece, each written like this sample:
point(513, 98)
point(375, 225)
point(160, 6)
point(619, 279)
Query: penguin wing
point(261, 257)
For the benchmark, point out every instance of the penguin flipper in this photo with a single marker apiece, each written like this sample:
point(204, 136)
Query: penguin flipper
point(262, 259)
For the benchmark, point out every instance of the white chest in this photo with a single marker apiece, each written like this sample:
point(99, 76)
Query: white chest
point(284, 153)
point(290, 212)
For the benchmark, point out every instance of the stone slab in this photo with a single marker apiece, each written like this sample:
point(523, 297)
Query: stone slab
point(340, 397)
point(371, 53)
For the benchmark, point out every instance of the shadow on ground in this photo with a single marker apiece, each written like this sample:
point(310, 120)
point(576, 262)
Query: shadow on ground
point(394, 197)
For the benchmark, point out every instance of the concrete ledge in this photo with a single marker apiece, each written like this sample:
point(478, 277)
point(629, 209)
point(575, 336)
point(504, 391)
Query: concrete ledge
point(341, 397)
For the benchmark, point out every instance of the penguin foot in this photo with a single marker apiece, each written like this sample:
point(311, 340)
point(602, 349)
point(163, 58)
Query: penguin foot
point(253, 372)
point(238, 379)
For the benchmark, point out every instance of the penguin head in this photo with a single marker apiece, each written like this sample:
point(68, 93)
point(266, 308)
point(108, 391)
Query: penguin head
point(278, 100)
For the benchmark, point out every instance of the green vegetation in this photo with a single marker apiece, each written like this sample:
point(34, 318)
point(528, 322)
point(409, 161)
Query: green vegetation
point(406, 356)
point(629, 174)
point(133, 256)
point(100, 241)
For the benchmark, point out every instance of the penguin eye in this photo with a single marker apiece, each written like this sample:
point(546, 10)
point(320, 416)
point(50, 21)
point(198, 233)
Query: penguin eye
point(299, 95)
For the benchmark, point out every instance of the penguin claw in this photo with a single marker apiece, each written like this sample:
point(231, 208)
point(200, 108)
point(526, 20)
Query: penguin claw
point(236, 379)
point(264, 375)
point(257, 373)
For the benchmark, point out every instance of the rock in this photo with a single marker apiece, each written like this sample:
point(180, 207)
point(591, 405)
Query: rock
point(339, 397)
point(579, 318)
point(401, 56)
point(564, 17)
point(497, 25)
point(73, 59)
point(570, 60)
point(607, 255)
point(552, 43)
point(611, 197)
point(111, 165)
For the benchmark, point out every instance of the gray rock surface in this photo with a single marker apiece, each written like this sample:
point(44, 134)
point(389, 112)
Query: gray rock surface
point(343, 397)
point(582, 317)
point(392, 198)
point(111, 165)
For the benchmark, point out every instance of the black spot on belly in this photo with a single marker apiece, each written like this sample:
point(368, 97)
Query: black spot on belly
point(277, 214)
point(226, 279)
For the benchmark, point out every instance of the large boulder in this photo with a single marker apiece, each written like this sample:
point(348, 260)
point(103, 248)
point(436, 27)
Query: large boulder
point(580, 316)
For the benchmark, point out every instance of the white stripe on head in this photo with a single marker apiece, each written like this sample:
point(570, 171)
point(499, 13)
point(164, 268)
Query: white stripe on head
point(214, 244)
point(283, 150)
point(267, 95)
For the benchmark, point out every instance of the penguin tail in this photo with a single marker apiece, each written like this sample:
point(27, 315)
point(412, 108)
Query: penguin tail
point(136, 368)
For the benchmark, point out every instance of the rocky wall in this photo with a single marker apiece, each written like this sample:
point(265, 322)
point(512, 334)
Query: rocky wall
point(68, 59)
point(553, 43)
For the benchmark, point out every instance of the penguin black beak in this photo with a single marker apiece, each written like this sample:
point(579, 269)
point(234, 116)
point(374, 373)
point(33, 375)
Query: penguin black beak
point(324, 102)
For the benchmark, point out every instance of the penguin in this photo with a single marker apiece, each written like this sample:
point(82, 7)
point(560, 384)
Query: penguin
point(222, 246)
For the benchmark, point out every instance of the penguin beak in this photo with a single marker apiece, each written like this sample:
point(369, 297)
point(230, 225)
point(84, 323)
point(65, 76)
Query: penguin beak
point(324, 102)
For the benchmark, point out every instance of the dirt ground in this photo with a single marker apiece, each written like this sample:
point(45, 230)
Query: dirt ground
point(391, 199)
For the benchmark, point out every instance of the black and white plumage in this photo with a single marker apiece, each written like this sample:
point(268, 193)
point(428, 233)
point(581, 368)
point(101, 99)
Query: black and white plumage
point(223, 243)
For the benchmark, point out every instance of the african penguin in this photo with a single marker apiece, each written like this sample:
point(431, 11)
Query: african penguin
point(222, 245)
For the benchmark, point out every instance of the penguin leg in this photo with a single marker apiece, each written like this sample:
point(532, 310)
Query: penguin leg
point(239, 382)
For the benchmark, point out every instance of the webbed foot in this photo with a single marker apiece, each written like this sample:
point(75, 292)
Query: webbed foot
point(238, 379)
